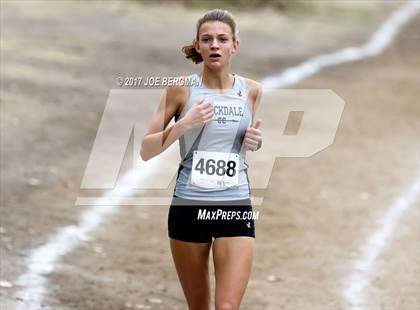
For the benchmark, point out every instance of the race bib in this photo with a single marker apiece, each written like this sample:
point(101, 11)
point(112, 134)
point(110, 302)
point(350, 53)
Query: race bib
point(215, 169)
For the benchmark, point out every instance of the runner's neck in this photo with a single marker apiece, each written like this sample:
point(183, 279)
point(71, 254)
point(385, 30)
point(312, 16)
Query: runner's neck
point(217, 80)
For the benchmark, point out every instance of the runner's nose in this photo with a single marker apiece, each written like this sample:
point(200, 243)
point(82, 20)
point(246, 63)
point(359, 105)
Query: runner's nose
point(214, 45)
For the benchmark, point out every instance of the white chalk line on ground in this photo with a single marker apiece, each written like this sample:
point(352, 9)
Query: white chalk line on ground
point(43, 260)
point(377, 43)
point(364, 266)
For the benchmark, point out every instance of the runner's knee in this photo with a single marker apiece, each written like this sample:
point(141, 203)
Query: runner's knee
point(225, 305)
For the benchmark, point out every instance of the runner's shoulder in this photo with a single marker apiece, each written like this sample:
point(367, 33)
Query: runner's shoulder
point(254, 88)
point(178, 92)
point(177, 95)
point(252, 83)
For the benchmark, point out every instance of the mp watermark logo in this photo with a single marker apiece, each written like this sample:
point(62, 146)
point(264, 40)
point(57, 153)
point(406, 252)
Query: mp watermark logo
point(296, 123)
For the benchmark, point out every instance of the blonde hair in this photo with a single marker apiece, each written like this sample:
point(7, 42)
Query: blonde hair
point(213, 15)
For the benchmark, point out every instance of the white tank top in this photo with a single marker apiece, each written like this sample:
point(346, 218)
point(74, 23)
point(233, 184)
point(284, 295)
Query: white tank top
point(225, 133)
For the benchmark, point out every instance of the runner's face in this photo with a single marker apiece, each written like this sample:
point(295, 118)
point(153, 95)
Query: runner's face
point(216, 44)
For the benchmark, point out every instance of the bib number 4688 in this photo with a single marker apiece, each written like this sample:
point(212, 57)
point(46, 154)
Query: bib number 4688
point(220, 167)
point(214, 169)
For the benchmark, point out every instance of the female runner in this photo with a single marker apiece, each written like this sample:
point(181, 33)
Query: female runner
point(213, 118)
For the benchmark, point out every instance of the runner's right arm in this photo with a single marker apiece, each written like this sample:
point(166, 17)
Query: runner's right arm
point(158, 136)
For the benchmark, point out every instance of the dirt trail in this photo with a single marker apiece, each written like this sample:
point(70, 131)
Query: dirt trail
point(56, 73)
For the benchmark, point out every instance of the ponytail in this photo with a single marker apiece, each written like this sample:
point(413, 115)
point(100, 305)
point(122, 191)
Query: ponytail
point(191, 53)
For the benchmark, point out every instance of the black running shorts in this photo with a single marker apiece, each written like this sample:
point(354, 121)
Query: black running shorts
point(200, 221)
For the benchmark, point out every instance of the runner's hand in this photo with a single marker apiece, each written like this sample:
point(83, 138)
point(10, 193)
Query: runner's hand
point(200, 114)
point(253, 137)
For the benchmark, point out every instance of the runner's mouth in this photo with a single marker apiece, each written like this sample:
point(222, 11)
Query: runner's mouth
point(215, 55)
